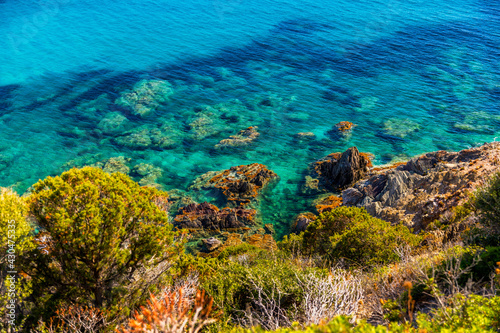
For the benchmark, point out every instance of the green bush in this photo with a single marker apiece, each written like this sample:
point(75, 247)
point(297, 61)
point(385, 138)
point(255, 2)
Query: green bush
point(487, 202)
point(234, 283)
point(107, 240)
point(474, 314)
point(16, 240)
point(351, 233)
point(483, 269)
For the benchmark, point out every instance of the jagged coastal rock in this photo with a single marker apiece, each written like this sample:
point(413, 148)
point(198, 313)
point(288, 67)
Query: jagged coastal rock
point(240, 185)
point(340, 170)
point(422, 190)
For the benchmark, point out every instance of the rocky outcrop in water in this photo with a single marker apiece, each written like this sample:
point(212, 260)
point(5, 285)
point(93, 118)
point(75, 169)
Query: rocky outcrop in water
point(207, 216)
point(240, 185)
point(340, 170)
point(422, 190)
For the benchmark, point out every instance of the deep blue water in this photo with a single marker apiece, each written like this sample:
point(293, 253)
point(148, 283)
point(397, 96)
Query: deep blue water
point(415, 76)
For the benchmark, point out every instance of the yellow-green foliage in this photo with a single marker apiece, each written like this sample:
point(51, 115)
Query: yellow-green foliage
point(100, 229)
point(233, 283)
point(353, 234)
point(13, 208)
point(474, 314)
point(487, 203)
point(15, 241)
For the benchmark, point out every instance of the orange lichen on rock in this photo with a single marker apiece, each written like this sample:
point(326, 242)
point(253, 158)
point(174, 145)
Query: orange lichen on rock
point(344, 126)
point(265, 242)
point(208, 216)
point(328, 204)
point(368, 157)
point(388, 167)
point(240, 185)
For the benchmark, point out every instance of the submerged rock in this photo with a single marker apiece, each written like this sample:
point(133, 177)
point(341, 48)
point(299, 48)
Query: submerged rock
point(310, 186)
point(478, 122)
point(302, 136)
point(400, 128)
point(240, 185)
point(94, 107)
point(145, 97)
point(243, 138)
point(148, 173)
point(207, 216)
point(113, 123)
point(164, 137)
point(114, 164)
point(340, 170)
point(420, 191)
point(178, 199)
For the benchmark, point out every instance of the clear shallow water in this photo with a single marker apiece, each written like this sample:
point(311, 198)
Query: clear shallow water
point(415, 76)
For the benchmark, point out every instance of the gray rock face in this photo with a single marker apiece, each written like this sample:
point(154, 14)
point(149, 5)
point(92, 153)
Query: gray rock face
point(424, 188)
point(338, 171)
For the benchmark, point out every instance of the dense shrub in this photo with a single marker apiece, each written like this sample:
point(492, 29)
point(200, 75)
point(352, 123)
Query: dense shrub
point(233, 284)
point(351, 233)
point(484, 268)
point(107, 240)
point(473, 314)
point(487, 202)
point(15, 241)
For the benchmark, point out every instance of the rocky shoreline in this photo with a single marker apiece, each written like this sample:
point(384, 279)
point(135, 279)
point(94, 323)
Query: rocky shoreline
point(425, 188)
point(416, 193)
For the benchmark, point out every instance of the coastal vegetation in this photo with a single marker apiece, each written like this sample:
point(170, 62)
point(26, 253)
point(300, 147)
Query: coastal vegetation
point(97, 252)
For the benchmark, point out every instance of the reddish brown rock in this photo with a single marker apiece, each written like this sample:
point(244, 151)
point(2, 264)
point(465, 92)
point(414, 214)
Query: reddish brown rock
point(338, 171)
point(240, 185)
point(344, 126)
point(207, 216)
point(422, 190)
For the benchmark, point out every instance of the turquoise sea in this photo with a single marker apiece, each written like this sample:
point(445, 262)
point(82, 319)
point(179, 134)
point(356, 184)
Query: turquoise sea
point(414, 76)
